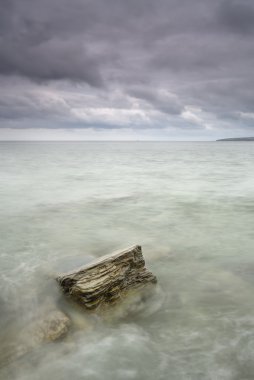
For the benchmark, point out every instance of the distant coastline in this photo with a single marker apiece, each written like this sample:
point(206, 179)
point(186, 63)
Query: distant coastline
point(238, 139)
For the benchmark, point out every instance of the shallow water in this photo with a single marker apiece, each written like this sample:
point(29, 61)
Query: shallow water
point(190, 206)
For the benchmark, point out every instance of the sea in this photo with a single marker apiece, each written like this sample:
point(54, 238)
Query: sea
point(190, 205)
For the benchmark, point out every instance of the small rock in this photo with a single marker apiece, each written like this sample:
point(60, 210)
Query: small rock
point(53, 327)
point(49, 328)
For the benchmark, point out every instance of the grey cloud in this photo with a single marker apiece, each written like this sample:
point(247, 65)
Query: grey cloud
point(29, 106)
point(112, 56)
point(50, 60)
point(41, 41)
point(60, 39)
point(237, 15)
point(161, 100)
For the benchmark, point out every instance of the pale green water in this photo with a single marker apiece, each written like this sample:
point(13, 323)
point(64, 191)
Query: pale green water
point(190, 206)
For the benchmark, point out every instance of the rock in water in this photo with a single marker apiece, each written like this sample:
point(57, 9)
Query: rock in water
point(52, 327)
point(46, 328)
point(107, 279)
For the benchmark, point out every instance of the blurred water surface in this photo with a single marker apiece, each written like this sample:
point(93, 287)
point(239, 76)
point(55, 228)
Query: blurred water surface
point(190, 206)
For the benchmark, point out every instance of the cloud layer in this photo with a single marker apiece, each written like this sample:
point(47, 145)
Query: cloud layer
point(176, 67)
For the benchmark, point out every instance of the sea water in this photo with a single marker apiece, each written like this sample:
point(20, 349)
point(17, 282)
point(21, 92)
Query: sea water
point(191, 207)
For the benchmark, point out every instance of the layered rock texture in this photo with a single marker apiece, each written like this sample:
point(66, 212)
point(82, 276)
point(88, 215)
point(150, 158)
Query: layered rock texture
point(107, 279)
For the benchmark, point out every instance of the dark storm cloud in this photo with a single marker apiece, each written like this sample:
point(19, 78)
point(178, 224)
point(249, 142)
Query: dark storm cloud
point(237, 15)
point(50, 61)
point(105, 63)
point(41, 41)
point(60, 39)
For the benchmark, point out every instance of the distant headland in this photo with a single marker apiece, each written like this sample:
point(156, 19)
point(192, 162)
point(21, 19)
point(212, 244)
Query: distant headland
point(238, 139)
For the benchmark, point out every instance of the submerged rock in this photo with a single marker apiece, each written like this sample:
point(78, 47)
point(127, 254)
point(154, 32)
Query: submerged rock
point(52, 327)
point(107, 279)
point(46, 328)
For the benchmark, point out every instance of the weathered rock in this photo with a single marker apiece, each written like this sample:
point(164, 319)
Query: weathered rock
point(46, 328)
point(52, 327)
point(107, 279)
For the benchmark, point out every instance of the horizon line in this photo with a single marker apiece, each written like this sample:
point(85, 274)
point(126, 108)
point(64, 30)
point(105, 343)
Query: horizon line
point(97, 141)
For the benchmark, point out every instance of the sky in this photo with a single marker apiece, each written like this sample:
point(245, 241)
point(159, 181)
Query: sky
point(126, 69)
